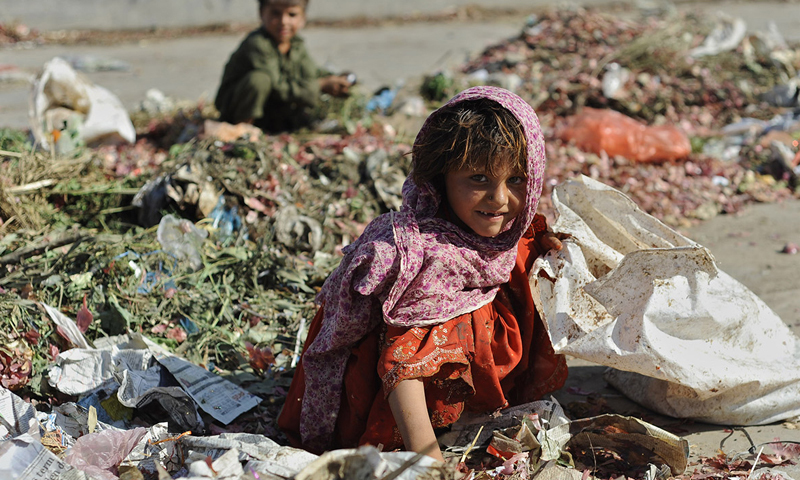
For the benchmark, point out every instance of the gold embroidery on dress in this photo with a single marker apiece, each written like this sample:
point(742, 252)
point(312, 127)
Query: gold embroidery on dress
point(404, 352)
point(419, 332)
point(429, 363)
point(439, 335)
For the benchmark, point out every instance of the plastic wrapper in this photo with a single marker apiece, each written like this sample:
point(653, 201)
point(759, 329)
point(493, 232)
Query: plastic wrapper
point(726, 36)
point(172, 403)
point(182, 238)
point(99, 454)
point(595, 130)
point(614, 80)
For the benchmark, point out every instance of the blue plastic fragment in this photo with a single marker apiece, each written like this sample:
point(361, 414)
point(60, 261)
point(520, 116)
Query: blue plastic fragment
point(226, 219)
point(382, 100)
point(188, 325)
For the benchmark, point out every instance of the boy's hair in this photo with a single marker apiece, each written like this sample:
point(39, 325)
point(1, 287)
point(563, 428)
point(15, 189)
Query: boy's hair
point(292, 3)
point(469, 134)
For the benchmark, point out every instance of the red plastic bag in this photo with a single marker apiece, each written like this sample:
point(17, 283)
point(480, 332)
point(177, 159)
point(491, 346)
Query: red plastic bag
point(595, 130)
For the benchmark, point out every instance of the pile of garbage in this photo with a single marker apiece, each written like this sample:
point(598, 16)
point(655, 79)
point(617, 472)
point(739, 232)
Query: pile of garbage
point(225, 280)
point(271, 219)
point(535, 438)
point(147, 267)
point(679, 69)
point(729, 100)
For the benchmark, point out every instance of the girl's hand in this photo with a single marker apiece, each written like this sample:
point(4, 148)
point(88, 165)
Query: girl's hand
point(550, 241)
point(546, 239)
point(410, 411)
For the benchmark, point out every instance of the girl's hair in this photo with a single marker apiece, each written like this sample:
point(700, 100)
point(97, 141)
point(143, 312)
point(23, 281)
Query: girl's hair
point(478, 134)
point(293, 3)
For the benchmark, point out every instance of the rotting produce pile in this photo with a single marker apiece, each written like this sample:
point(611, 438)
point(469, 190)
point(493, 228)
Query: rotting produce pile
point(562, 62)
point(214, 248)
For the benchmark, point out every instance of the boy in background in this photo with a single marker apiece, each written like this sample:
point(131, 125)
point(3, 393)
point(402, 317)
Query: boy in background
point(270, 80)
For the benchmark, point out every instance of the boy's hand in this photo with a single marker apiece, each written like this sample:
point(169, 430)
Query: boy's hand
point(335, 85)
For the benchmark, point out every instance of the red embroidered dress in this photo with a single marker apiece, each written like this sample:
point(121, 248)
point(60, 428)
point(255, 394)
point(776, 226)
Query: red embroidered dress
point(496, 356)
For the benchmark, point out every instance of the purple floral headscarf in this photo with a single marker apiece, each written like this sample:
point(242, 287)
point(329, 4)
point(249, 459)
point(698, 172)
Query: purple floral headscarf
point(411, 269)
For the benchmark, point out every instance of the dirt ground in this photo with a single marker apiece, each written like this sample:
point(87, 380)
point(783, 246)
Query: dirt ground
point(747, 246)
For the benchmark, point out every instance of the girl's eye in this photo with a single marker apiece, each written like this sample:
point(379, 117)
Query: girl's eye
point(478, 178)
point(516, 180)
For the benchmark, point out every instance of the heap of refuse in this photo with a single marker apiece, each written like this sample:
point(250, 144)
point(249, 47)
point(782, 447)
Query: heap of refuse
point(143, 273)
point(718, 109)
point(534, 437)
point(649, 66)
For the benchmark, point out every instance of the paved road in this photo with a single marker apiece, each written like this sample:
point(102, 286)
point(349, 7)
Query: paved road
point(190, 68)
point(124, 14)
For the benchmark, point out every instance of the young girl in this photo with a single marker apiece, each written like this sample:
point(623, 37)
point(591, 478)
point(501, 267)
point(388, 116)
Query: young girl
point(430, 311)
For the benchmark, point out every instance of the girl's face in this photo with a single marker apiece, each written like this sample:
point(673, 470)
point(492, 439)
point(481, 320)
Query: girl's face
point(486, 203)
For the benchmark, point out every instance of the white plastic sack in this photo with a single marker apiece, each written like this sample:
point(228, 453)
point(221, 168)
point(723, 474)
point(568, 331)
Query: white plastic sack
point(91, 113)
point(686, 339)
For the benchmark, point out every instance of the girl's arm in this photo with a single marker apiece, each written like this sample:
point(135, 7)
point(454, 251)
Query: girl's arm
point(410, 411)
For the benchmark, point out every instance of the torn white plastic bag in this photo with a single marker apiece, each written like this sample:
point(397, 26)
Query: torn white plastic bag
point(686, 339)
point(65, 101)
point(367, 463)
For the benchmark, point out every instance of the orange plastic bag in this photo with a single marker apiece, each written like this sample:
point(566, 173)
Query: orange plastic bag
point(594, 130)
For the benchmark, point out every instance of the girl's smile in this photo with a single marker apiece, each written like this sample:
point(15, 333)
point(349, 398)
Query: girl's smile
point(486, 203)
